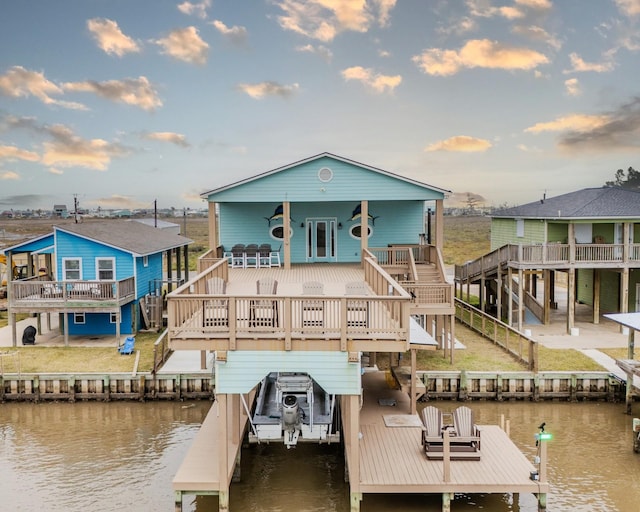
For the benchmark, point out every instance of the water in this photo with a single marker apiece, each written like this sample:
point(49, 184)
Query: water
point(122, 456)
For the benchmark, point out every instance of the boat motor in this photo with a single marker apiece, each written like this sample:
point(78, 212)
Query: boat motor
point(290, 410)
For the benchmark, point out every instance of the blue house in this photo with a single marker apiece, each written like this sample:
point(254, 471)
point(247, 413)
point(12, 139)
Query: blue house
point(95, 274)
point(313, 269)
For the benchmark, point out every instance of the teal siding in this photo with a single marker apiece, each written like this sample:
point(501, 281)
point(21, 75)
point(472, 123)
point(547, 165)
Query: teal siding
point(100, 323)
point(145, 276)
point(301, 183)
point(71, 246)
point(245, 369)
point(394, 223)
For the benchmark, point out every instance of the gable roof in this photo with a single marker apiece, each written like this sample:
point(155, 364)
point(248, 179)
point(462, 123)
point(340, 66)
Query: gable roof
point(588, 203)
point(205, 195)
point(130, 236)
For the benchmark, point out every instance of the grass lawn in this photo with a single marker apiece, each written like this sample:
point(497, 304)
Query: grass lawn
point(39, 359)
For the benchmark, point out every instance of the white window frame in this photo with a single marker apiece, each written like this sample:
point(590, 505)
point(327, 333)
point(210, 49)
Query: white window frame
point(113, 318)
point(352, 235)
point(113, 268)
point(520, 228)
point(79, 318)
point(145, 261)
point(65, 270)
point(280, 226)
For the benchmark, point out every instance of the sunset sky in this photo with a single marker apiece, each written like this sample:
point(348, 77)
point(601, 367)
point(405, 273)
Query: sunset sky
point(124, 102)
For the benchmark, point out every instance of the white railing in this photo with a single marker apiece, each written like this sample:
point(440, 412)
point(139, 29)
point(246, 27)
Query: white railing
point(34, 291)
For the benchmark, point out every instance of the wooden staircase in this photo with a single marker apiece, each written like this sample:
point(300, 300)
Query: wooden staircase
point(428, 273)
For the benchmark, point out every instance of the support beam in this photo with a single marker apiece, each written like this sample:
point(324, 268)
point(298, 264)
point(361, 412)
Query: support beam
point(571, 299)
point(364, 227)
point(596, 296)
point(223, 451)
point(439, 241)
point(286, 226)
point(213, 226)
point(413, 382)
point(521, 294)
point(546, 308)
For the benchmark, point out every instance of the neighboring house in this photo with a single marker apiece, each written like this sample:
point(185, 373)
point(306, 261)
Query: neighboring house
point(353, 275)
point(60, 211)
point(95, 274)
point(591, 235)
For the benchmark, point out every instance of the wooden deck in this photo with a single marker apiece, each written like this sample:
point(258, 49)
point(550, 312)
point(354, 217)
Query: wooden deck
point(392, 459)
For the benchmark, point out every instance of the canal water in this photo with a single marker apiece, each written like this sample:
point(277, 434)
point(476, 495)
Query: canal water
point(108, 457)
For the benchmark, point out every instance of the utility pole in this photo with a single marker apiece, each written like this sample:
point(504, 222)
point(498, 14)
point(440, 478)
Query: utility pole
point(75, 208)
point(155, 213)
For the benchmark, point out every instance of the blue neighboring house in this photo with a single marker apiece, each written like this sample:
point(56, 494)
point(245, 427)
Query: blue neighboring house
point(94, 274)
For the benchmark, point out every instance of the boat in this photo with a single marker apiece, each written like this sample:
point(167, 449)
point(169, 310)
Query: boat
point(291, 407)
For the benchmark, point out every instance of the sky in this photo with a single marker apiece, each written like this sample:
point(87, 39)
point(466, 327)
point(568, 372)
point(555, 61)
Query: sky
point(120, 103)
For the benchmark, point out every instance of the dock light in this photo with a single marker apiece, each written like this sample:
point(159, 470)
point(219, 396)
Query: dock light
point(543, 436)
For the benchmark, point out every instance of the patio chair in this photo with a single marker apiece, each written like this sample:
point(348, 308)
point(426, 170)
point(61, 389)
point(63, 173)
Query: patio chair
point(467, 433)
point(264, 312)
point(238, 256)
point(264, 255)
point(274, 258)
point(127, 347)
point(215, 311)
point(357, 310)
point(432, 433)
point(251, 256)
point(312, 309)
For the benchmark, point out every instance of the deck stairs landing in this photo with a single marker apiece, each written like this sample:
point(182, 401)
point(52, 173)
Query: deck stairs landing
point(427, 273)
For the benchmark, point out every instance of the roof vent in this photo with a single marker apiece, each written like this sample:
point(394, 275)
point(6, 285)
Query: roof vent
point(325, 175)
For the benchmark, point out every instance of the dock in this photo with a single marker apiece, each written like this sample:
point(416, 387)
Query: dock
point(391, 458)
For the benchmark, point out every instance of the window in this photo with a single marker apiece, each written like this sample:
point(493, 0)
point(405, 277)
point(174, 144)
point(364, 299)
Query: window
point(356, 231)
point(113, 318)
point(145, 261)
point(105, 269)
point(78, 318)
point(71, 269)
point(520, 228)
point(277, 232)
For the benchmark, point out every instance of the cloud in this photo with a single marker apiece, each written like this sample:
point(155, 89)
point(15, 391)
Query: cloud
point(19, 82)
point(619, 130)
point(578, 65)
point(237, 35)
point(9, 175)
point(22, 200)
point(54, 170)
point(174, 138)
point(324, 19)
point(460, 143)
point(628, 7)
point(117, 201)
point(535, 33)
point(110, 38)
point(185, 44)
point(13, 153)
point(483, 9)
point(480, 53)
point(458, 26)
point(262, 89)
point(573, 122)
point(540, 5)
point(375, 81)
point(69, 150)
point(325, 53)
point(132, 91)
point(572, 87)
point(191, 196)
point(195, 9)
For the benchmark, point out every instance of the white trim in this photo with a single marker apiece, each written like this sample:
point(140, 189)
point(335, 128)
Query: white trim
point(64, 269)
point(291, 232)
point(113, 267)
point(79, 318)
point(358, 225)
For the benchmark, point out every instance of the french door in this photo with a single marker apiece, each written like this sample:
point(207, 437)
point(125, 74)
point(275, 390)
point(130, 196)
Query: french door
point(321, 240)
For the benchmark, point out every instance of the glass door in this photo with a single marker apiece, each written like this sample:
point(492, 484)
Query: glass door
point(321, 240)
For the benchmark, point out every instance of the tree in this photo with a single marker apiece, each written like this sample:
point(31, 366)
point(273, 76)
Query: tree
point(630, 181)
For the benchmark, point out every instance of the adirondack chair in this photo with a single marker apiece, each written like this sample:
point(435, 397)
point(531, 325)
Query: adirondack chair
point(467, 433)
point(264, 312)
point(357, 310)
point(216, 311)
point(127, 347)
point(312, 310)
point(432, 433)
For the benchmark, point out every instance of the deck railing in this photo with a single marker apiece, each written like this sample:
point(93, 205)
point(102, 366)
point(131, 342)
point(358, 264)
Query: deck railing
point(208, 258)
point(195, 314)
point(34, 292)
point(551, 254)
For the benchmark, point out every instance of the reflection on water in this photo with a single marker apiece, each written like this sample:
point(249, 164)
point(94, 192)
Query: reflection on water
point(105, 456)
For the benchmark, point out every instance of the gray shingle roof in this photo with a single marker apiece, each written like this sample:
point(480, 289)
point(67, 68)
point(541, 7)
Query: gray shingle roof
point(127, 235)
point(605, 202)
